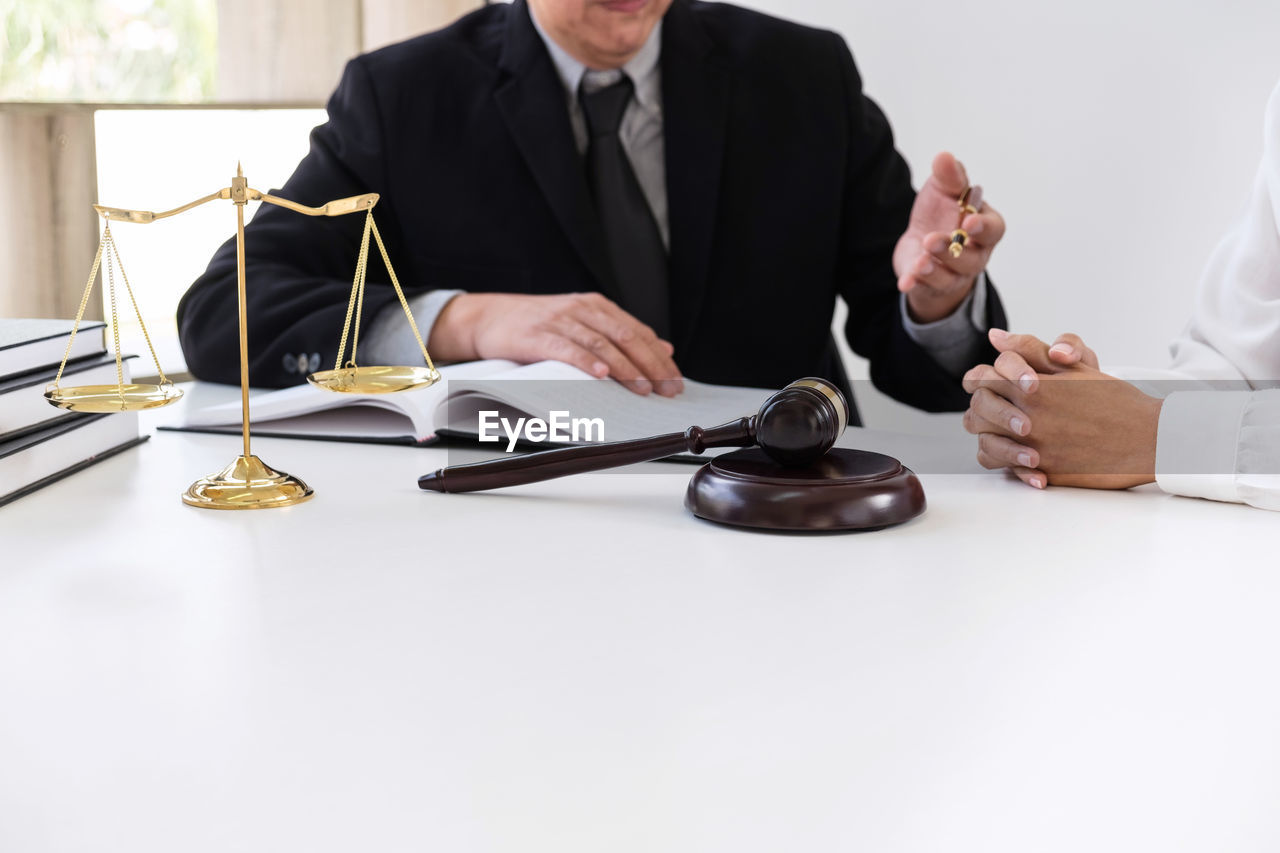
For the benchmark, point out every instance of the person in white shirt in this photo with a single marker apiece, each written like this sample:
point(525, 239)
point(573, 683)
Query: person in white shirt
point(1211, 426)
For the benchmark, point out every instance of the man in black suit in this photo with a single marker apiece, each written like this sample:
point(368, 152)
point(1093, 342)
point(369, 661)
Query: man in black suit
point(624, 185)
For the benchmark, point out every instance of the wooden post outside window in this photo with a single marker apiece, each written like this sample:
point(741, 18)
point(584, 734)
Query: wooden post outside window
point(49, 233)
point(388, 21)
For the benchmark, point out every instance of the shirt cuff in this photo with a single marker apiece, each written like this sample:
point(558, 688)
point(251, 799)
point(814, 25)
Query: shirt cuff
point(1221, 445)
point(390, 340)
point(955, 342)
point(1197, 443)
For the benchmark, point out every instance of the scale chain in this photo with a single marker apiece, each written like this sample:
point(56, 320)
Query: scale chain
point(115, 318)
point(361, 266)
point(84, 302)
point(400, 293)
point(364, 276)
point(164, 380)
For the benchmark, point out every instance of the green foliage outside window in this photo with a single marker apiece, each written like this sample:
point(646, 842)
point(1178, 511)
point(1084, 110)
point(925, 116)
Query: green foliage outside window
point(138, 51)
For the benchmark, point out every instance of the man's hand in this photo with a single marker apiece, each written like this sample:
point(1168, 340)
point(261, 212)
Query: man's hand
point(1049, 415)
point(935, 282)
point(586, 330)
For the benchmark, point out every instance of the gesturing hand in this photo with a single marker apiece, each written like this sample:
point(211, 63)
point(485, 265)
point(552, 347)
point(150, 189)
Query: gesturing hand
point(586, 330)
point(934, 281)
point(1049, 415)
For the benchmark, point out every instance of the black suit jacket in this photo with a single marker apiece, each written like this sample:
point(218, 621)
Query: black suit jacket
point(784, 191)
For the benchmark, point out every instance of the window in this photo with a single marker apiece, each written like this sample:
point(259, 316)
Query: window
point(139, 51)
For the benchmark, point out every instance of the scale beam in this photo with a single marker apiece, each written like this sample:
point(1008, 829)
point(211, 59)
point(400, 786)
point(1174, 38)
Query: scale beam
point(339, 207)
point(146, 217)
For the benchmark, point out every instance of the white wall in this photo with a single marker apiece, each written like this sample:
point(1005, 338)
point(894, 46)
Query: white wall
point(1118, 137)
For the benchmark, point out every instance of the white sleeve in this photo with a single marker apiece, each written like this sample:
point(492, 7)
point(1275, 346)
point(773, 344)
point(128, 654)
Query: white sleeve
point(1225, 444)
point(1221, 445)
point(1235, 328)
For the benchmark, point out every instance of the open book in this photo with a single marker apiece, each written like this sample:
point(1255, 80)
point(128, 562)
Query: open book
point(491, 400)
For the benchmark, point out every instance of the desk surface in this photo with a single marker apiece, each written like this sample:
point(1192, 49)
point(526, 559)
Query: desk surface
point(580, 665)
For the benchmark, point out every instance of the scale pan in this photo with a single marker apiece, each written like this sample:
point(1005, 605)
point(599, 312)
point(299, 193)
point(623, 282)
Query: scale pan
point(113, 398)
point(374, 380)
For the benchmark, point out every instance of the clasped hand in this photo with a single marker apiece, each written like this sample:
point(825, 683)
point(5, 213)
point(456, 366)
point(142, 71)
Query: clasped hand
point(1049, 415)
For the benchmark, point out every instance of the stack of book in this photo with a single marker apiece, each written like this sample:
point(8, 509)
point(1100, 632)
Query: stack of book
point(39, 443)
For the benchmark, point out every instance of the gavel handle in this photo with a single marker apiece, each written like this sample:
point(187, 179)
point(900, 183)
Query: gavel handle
point(548, 464)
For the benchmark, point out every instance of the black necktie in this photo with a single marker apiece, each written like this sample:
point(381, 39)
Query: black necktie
point(634, 244)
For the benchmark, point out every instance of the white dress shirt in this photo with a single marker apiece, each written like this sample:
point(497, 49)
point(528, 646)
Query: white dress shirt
point(641, 128)
point(1220, 438)
point(954, 341)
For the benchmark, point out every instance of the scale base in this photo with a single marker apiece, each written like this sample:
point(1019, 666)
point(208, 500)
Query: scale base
point(844, 490)
point(247, 483)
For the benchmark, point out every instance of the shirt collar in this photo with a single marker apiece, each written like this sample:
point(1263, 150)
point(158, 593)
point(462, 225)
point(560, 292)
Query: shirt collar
point(641, 68)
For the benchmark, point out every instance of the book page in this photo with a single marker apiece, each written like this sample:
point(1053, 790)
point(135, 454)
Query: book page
point(416, 407)
point(538, 389)
point(530, 390)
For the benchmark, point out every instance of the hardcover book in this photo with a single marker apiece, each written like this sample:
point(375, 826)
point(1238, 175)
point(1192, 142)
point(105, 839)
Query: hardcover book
point(45, 456)
point(23, 407)
point(29, 345)
point(472, 397)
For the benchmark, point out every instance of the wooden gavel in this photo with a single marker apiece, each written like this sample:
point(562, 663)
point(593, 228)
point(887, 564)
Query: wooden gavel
point(795, 427)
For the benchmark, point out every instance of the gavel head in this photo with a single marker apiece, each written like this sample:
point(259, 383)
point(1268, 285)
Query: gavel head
point(801, 422)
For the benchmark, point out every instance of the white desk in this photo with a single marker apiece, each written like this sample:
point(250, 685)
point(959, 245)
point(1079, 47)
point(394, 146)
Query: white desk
point(581, 665)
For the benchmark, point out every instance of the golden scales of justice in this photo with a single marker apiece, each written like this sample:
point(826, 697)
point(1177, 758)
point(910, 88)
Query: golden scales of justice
point(247, 483)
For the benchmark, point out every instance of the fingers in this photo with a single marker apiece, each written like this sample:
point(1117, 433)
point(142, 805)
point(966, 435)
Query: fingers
point(988, 412)
point(603, 351)
point(995, 452)
point(936, 268)
point(1033, 477)
point(1069, 349)
point(635, 355)
point(998, 423)
point(978, 377)
point(972, 260)
point(1033, 351)
point(1013, 367)
point(1004, 452)
point(559, 347)
point(1007, 377)
point(586, 330)
point(931, 271)
point(949, 174)
point(1066, 351)
point(985, 229)
point(638, 344)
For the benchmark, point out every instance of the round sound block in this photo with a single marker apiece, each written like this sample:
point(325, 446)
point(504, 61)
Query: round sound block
point(844, 490)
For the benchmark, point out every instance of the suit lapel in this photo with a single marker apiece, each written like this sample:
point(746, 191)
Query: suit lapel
point(695, 105)
point(531, 99)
